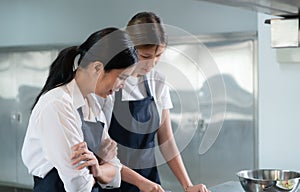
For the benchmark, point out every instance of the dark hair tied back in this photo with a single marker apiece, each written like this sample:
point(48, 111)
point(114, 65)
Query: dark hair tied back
point(146, 29)
point(110, 46)
point(115, 49)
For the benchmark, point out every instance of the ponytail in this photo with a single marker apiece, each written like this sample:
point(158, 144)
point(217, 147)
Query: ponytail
point(110, 46)
point(62, 70)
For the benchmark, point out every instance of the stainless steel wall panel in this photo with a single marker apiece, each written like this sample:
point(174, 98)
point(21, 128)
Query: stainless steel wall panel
point(235, 145)
point(23, 73)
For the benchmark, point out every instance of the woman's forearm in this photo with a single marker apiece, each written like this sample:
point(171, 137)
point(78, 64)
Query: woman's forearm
point(130, 176)
point(178, 169)
point(172, 156)
point(106, 173)
point(170, 151)
point(145, 185)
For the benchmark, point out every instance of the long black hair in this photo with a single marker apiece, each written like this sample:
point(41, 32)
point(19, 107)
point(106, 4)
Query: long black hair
point(110, 46)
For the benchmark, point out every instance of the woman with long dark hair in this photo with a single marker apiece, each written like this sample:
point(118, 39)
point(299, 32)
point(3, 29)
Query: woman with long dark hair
point(67, 147)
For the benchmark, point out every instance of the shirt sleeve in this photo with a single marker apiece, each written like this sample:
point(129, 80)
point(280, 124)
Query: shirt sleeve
point(162, 90)
point(116, 182)
point(59, 131)
point(165, 98)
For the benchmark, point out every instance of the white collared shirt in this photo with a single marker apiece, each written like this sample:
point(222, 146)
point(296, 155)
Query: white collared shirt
point(54, 127)
point(135, 90)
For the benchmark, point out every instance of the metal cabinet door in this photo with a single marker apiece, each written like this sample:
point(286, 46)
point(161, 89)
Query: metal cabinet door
point(197, 111)
point(8, 144)
point(23, 73)
point(32, 70)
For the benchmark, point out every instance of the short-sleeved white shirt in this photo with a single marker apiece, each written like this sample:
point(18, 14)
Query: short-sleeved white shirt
point(135, 90)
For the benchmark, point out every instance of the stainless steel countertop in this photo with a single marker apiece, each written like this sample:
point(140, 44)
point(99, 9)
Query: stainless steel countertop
point(232, 186)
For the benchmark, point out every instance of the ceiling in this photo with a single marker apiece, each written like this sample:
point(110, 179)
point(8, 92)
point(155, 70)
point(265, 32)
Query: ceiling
point(286, 8)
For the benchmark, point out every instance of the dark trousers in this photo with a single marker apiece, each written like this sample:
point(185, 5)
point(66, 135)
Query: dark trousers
point(53, 183)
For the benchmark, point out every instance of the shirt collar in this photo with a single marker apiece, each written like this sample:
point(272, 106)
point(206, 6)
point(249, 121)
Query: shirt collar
point(94, 104)
point(79, 101)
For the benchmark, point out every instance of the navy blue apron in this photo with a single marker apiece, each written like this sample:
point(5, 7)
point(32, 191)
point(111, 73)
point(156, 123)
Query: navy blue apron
point(92, 132)
point(133, 126)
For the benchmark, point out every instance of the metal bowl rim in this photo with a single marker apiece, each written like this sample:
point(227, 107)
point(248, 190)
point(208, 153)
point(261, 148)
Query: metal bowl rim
point(238, 174)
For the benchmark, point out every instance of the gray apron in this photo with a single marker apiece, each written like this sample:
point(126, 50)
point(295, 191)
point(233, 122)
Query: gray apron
point(92, 132)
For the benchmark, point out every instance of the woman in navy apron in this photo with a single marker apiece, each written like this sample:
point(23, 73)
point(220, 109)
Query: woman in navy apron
point(135, 120)
point(66, 113)
point(136, 145)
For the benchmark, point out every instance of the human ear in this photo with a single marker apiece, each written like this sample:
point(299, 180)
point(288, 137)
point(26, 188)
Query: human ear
point(98, 66)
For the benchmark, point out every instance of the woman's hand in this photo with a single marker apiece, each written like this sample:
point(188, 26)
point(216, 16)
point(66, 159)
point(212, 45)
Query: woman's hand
point(197, 188)
point(149, 186)
point(108, 150)
point(84, 158)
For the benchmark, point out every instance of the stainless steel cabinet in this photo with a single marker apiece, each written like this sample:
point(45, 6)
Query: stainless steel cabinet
point(22, 74)
point(8, 144)
point(213, 88)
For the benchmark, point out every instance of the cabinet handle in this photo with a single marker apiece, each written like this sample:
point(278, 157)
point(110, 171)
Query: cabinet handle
point(16, 117)
point(202, 125)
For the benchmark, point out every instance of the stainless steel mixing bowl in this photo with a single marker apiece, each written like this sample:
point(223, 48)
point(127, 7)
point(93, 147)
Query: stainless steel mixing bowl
point(269, 180)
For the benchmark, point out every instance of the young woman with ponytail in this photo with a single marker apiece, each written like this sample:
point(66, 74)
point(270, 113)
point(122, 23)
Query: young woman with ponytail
point(67, 147)
point(147, 96)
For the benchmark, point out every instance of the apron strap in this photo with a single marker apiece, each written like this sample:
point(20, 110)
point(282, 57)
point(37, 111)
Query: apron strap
point(82, 118)
point(147, 86)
